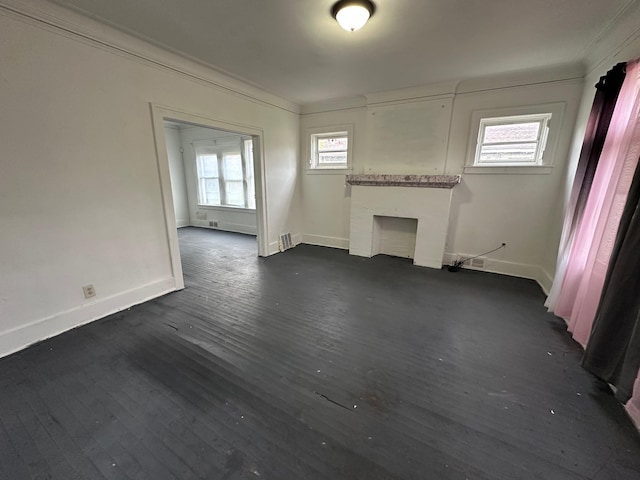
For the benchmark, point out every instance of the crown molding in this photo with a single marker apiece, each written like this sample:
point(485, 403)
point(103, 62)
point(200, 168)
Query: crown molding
point(571, 73)
point(73, 25)
point(333, 105)
point(560, 73)
point(610, 45)
point(413, 94)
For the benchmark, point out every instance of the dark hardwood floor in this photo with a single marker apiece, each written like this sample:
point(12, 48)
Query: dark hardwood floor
point(313, 364)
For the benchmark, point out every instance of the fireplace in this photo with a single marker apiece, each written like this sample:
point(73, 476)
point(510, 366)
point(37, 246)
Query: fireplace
point(395, 236)
point(420, 200)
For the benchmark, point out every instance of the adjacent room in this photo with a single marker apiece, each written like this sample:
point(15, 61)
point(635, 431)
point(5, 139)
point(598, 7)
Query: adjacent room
point(330, 239)
point(212, 178)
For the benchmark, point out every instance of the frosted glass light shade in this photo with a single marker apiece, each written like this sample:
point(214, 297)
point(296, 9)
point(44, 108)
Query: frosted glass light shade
point(352, 15)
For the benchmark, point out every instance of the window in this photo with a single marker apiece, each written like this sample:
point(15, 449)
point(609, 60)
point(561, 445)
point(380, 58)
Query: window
point(225, 173)
point(517, 140)
point(330, 148)
point(249, 182)
point(208, 178)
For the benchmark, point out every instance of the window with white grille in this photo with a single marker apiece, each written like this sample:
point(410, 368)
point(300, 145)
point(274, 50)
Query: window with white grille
point(516, 140)
point(225, 174)
point(330, 148)
point(512, 141)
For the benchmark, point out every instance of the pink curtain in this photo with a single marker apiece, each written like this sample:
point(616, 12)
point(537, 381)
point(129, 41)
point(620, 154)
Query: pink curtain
point(604, 102)
point(633, 405)
point(586, 268)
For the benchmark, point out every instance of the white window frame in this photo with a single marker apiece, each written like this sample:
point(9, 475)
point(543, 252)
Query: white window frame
point(550, 117)
point(201, 152)
point(313, 134)
point(220, 148)
point(542, 119)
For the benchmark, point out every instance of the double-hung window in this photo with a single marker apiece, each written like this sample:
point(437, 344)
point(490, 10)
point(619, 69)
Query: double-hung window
point(233, 179)
point(208, 178)
point(225, 173)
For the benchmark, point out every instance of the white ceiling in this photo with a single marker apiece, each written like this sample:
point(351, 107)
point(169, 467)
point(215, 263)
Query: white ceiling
point(294, 48)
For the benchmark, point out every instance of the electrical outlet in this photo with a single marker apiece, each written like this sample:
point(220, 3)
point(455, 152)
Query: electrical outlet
point(89, 291)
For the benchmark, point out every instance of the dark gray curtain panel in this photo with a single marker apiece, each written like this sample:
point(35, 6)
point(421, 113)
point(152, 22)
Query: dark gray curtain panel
point(613, 351)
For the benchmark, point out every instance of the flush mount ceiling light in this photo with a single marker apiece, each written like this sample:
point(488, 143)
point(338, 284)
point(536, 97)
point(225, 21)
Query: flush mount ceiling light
point(352, 14)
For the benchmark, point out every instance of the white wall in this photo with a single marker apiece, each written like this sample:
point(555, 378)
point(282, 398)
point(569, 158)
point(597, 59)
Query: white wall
point(517, 209)
point(227, 218)
point(176, 167)
point(80, 196)
point(486, 209)
point(326, 196)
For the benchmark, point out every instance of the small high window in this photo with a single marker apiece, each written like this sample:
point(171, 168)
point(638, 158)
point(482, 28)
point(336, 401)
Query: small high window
point(330, 148)
point(512, 141)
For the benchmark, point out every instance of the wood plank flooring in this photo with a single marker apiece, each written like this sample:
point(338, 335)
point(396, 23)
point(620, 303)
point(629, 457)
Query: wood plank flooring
point(313, 364)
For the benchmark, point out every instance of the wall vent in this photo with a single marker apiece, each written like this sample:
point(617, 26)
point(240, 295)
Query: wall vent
point(478, 262)
point(285, 242)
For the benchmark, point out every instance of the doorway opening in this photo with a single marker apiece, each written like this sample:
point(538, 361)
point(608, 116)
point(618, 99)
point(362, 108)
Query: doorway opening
point(211, 175)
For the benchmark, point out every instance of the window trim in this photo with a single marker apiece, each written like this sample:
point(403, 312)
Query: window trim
point(312, 166)
point(545, 163)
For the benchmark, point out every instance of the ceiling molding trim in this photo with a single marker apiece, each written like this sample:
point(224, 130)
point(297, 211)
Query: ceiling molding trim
point(75, 26)
point(333, 105)
point(562, 73)
point(390, 97)
point(432, 91)
point(622, 31)
point(570, 74)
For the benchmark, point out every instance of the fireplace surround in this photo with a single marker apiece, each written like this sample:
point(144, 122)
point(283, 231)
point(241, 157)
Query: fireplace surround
point(425, 198)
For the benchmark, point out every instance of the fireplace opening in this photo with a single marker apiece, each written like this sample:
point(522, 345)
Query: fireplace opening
point(395, 236)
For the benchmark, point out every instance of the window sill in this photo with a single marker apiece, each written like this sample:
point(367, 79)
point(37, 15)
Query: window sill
point(227, 208)
point(511, 170)
point(328, 171)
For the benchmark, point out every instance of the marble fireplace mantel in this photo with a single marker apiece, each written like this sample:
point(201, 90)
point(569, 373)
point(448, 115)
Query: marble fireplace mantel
point(421, 181)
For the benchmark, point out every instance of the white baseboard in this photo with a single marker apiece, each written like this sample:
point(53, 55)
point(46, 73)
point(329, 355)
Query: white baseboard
point(274, 247)
point(522, 270)
point(226, 226)
point(449, 258)
point(21, 337)
point(545, 280)
point(183, 222)
point(324, 241)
